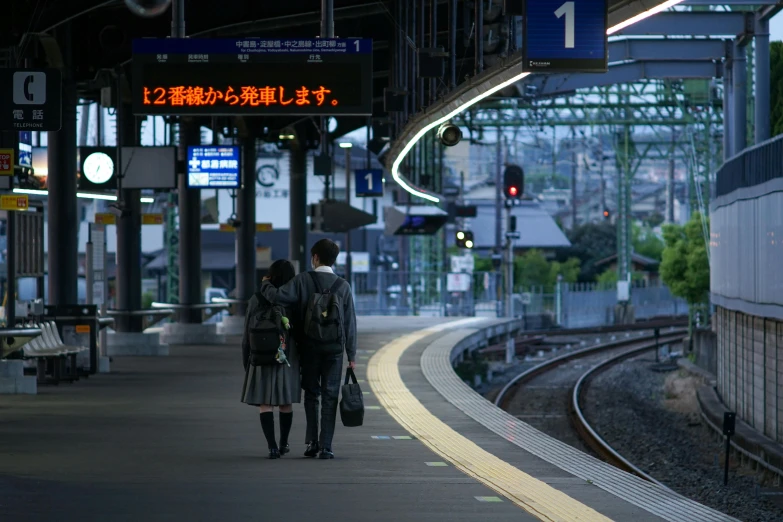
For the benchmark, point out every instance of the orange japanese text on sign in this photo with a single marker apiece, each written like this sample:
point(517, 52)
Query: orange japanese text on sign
point(152, 219)
point(14, 202)
point(245, 95)
point(82, 328)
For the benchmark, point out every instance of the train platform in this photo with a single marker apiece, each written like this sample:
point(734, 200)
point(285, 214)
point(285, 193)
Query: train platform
point(167, 439)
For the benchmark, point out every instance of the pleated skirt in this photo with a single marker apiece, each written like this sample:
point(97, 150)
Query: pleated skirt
point(273, 384)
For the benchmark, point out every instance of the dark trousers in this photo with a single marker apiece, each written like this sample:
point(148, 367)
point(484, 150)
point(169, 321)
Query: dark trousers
point(321, 376)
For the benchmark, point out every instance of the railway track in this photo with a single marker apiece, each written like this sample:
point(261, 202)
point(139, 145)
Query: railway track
point(549, 395)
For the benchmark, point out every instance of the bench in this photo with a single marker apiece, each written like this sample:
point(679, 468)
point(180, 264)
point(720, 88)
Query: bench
point(52, 355)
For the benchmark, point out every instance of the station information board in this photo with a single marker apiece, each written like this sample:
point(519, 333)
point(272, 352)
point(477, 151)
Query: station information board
point(252, 77)
point(565, 36)
point(211, 166)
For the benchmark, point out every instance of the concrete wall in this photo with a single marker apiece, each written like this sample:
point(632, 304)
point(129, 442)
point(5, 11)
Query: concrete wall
point(750, 368)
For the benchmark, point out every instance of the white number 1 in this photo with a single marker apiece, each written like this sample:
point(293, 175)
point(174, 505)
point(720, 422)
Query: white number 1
point(356, 42)
point(567, 9)
point(368, 177)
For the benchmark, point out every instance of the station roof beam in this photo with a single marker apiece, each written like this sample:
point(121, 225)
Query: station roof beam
point(559, 84)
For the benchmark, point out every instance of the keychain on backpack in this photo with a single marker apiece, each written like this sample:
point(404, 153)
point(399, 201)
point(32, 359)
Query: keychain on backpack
point(281, 357)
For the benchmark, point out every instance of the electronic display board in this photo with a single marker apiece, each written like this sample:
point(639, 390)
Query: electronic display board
point(565, 36)
point(213, 166)
point(252, 77)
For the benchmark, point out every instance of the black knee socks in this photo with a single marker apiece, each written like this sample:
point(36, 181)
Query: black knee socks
point(285, 426)
point(268, 425)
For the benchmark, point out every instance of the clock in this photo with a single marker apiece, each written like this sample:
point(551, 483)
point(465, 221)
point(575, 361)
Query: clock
point(98, 168)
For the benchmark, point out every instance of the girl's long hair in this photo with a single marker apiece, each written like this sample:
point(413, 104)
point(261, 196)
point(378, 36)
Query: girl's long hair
point(281, 272)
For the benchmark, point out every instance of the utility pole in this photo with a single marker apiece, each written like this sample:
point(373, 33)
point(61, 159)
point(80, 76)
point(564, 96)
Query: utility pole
point(573, 178)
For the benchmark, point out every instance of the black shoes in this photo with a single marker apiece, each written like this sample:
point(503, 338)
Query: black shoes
point(312, 449)
point(274, 453)
point(326, 453)
point(284, 448)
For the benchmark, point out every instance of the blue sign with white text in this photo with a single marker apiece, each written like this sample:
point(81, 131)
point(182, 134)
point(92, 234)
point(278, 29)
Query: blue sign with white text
point(213, 167)
point(369, 183)
point(565, 36)
point(25, 149)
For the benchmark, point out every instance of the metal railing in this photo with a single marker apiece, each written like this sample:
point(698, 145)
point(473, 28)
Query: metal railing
point(753, 166)
point(576, 305)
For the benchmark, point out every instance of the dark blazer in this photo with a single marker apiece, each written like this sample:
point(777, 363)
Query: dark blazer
point(298, 291)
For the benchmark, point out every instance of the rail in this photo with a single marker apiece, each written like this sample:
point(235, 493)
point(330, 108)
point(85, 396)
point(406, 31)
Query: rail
point(561, 359)
point(207, 309)
point(584, 428)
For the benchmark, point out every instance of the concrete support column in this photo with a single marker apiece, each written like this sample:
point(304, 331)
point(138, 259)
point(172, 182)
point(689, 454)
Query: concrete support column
point(297, 247)
point(728, 142)
point(190, 291)
point(129, 236)
point(739, 105)
point(762, 68)
point(246, 232)
point(63, 222)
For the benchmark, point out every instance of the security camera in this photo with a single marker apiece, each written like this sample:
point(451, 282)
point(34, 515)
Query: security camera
point(233, 222)
point(449, 135)
point(148, 8)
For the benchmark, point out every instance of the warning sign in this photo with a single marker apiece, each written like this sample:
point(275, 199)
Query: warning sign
point(7, 162)
point(14, 202)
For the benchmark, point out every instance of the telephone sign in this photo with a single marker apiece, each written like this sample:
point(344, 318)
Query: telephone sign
point(35, 102)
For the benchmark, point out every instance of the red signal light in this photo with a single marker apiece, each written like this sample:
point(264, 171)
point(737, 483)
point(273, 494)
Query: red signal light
point(512, 191)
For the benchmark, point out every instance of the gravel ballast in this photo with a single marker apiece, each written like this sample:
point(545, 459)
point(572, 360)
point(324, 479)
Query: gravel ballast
point(662, 433)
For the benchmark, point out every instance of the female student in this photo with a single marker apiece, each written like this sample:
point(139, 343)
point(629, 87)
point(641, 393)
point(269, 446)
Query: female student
point(271, 377)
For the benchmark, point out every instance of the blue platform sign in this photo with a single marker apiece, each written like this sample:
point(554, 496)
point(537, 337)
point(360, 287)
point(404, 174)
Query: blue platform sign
point(25, 149)
point(213, 167)
point(369, 183)
point(565, 36)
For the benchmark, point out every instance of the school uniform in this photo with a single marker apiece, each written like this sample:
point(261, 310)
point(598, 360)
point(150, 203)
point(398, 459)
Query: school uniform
point(272, 384)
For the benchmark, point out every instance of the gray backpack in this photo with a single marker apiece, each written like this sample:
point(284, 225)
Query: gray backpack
point(323, 325)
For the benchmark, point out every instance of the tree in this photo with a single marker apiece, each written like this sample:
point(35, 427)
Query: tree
point(646, 243)
point(685, 267)
point(533, 269)
point(590, 242)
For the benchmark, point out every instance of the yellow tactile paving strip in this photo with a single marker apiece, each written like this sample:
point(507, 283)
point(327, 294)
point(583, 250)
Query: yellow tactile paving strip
point(532, 495)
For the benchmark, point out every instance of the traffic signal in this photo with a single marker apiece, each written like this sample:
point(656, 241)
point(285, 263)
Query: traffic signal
point(513, 182)
point(464, 239)
point(607, 215)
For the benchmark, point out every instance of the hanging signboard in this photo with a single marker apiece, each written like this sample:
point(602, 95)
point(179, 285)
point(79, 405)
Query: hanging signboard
point(252, 77)
point(565, 36)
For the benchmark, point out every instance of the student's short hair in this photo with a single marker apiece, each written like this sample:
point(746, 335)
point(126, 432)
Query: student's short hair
point(326, 250)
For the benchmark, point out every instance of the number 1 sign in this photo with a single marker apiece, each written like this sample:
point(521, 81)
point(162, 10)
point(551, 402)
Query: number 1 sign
point(565, 36)
point(369, 183)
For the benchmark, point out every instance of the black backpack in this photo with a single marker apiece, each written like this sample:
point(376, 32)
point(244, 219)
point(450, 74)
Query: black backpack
point(264, 334)
point(323, 324)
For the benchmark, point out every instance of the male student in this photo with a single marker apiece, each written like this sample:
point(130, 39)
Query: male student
point(325, 328)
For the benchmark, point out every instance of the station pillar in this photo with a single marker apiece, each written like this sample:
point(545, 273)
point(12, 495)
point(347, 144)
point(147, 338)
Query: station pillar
point(762, 68)
point(739, 94)
point(189, 328)
point(62, 219)
point(129, 338)
point(297, 238)
point(245, 242)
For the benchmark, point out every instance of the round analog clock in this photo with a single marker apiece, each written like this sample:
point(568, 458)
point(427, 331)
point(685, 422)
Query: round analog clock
point(98, 168)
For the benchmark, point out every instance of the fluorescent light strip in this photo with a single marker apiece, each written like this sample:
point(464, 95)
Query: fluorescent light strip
point(83, 195)
point(395, 170)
